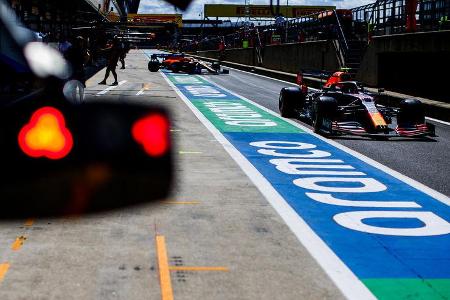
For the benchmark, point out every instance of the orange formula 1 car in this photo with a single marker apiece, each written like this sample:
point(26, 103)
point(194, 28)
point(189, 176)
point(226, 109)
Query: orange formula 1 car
point(179, 63)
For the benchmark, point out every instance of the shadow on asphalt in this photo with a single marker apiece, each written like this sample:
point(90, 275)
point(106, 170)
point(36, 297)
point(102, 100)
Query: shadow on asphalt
point(390, 140)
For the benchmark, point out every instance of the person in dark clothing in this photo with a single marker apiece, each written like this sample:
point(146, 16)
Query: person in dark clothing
point(125, 48)
point(76, 55)
point(115, 51)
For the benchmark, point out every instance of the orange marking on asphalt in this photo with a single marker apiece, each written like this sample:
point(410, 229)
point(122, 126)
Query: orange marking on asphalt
point(18, 243)
point(29, 222)
point(3, 269)
point(183, 268)
point(163, 266)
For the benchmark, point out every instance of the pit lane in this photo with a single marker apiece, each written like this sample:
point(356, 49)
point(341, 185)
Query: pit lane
point(216, 237)
point(423, 160)
point(242, 126)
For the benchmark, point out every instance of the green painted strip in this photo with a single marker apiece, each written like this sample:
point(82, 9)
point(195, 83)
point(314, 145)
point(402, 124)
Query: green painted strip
point(230, 113)
point(241, 116)
point(186, 79)
point(392, 288)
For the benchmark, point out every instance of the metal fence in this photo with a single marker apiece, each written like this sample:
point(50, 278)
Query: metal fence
point(307, 28)
point(383, 17)
point(390, 16)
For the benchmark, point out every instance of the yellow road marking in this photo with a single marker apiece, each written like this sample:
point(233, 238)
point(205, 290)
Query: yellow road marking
point(190, 152)
point(182, 202)
point(183, 268)
point(18, 243)
point(163, 266)
point(29, 222)
point(175, 130)
point(3, 269)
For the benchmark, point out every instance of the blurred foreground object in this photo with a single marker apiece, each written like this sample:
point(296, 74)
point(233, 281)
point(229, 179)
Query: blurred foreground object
point(183, 4)
point(86, 158)
point(61, 156)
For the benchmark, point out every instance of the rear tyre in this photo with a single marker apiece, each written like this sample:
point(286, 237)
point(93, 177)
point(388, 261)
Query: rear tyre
point(153, 66)
point(215, 66)
point(175, 67)
point(290, 100)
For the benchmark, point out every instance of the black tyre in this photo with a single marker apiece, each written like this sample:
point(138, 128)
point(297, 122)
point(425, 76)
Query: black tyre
point(215, 66)
point(317, 122)
point(153, 66)
point(190, 68)
point(290, 100)
point(175, 67)
point(411, 112)
point(325, 108)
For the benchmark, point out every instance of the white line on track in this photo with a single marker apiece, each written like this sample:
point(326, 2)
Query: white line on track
point(263, 76)
point(110, 88)
point(141, 92)
point(438, 121)
point(258, 75)
point(341, 275)
point(270, 78)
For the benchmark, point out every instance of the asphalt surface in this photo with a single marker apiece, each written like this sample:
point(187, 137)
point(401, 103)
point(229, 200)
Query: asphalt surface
point(216, 237)
point(426, 161)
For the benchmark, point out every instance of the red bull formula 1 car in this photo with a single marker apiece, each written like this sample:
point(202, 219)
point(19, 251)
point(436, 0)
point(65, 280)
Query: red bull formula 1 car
point(345, 107)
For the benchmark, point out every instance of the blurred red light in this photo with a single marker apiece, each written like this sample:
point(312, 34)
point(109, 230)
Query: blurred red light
point(46, 135)
point(152, 132)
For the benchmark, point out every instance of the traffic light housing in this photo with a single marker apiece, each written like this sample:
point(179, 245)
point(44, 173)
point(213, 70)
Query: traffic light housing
point(86, 158)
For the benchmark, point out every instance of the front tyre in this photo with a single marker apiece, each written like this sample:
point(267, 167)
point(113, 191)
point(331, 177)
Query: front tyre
point(285, 110)
point(317, 123)
point(175, 67)
point(290, 100)
point(325, 112)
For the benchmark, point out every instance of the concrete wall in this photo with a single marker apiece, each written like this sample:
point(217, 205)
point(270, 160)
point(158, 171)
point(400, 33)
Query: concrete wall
point(408, 62)
point(317, 55)
point(241, 56)
point(291, 58)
